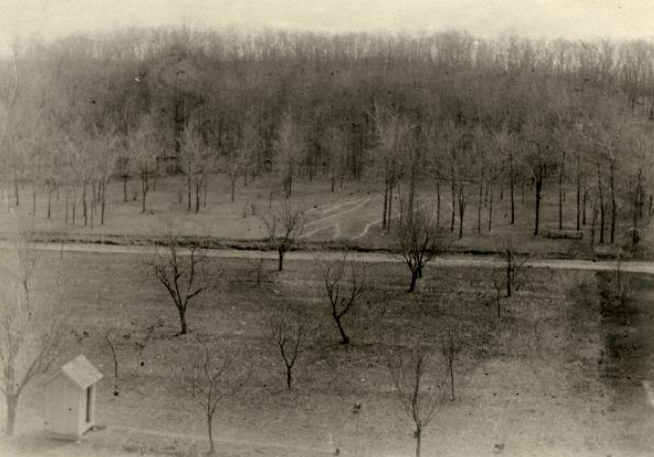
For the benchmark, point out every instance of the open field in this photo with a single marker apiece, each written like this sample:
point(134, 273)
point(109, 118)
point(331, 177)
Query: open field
point(533, 380)
point(349, 217)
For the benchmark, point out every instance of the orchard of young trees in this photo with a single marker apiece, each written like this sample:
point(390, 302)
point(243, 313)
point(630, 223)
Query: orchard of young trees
point(466, 117)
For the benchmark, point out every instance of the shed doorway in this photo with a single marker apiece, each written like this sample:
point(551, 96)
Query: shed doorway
point(89, 404)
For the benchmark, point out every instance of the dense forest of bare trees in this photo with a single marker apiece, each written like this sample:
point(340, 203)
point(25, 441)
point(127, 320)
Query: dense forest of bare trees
point(446, 111)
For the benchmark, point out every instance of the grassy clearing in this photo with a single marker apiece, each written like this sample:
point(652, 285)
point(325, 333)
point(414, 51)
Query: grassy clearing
point(529, 381)
point(627, 363)
point(349, 217)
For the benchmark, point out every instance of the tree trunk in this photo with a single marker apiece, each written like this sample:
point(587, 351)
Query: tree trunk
point(182, 321)
point(289, 377)
point(233, 188)
point(198, 186)
point(49, 202)
point(414, 280)
point(188, 192)
point(561, 191)
point(92, 203)
point(560, 207)
point(344, 338)
point(12, 410)
point(280, 265)
point(73, 204)
point(602, 221)
point(438, 204)
point(94, 195)
point(390, 204)
point(66, 210)
point(451, 366)
point(490, 208)
point(125, 189)
point(539, 188)
point(481, 191)
point(453, 208)
point(601, 201)
point(85, 209)
point(578, 194)
point(144, 190)
point(33, 199)
point(204, 190)
point(462, 208)
point(418, 435)
point(16, 192)
point(638, 197)
point(384, 222)
point(212, 446)
point(592, 226)
point(511, 184)
point(102, 203)
point(114, 355)
point(614, 204)
point(486, 195)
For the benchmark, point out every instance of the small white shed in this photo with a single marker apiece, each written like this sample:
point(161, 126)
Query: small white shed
point(70, 399)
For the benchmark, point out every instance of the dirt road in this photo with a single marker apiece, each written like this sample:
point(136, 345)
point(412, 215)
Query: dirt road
point(444, 261)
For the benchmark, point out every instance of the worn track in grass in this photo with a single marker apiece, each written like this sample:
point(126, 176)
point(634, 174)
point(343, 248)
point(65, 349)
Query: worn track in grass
point(370, 257)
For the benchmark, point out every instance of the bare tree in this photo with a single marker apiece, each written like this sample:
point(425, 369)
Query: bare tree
point(622, 287)
point(29, 335)
point(417, 383)
point(507, 278)
point(393, 133)
point(110, 337)
point(207, 378)
point(543, 138)
point(239, 159)
point(417, 240)
point(289, 146)
point(497, 277)
point(142, 145)
point(181, 272)
point(513, 266)
point(335, 143)
point(344, 283)
point(451, 348)
point(289, 330)
point(284, 226)
point(195, 162)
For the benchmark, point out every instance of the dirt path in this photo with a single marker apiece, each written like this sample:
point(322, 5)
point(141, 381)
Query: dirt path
point(370, 257)
point(359, 203)
point(369, 225)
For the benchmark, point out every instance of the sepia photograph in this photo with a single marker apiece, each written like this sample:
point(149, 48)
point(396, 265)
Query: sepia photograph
point(349, 228)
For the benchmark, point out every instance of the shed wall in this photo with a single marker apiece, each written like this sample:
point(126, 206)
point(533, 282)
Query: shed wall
point(62, 407)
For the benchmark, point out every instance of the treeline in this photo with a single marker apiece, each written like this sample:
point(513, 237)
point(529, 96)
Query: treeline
point(467, 117)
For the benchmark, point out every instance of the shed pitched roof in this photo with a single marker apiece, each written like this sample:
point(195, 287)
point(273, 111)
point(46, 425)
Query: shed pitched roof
point(81, 372)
